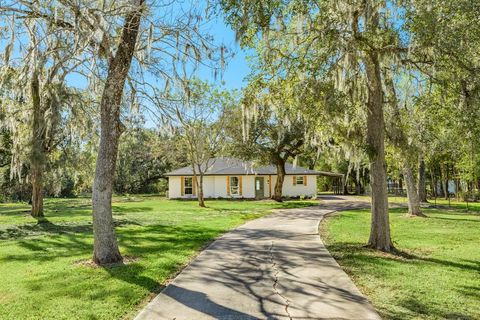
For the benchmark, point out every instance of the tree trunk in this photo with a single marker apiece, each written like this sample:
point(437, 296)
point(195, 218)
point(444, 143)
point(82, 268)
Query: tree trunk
point(105, 242)
point(37, 192)
point(380, 225)
point(412, 194)
point(445, 182)
point(38, 152)
point(457, 189)
point(433, 184)
point(441, 192)
point(422, 185)
point(280, 164)
point(447, 192)
point(358, 188)
point(201, 199)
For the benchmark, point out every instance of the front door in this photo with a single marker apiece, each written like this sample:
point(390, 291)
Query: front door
point(259, 187)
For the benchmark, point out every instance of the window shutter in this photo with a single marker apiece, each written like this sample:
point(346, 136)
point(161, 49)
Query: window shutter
point(294, 180)
point(182, 185)
point(240, 185)
point(228, 185)
point(194, 185)
point(304, 180)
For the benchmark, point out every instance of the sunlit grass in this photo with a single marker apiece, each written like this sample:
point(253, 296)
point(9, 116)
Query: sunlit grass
point(434, 275)
point(40, 276)
point(440, 202)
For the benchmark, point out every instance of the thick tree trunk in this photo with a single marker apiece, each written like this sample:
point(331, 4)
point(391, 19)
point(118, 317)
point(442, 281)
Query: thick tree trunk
point(280, 164)
point(380, 225)
point(37, 192)
point(412, 194)
point(201, 199)
point(38, 152)
point(422, 185)
point(105, 242)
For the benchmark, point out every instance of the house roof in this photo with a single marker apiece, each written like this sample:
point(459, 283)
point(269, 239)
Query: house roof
point(232, 166)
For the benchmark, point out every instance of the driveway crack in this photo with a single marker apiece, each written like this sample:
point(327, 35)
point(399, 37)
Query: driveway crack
point(275, 282)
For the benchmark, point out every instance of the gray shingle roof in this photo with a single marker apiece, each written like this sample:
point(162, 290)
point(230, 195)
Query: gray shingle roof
point(231, 166)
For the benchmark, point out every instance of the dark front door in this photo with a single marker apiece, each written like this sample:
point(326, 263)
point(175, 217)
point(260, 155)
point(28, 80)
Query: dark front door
point(259, 187)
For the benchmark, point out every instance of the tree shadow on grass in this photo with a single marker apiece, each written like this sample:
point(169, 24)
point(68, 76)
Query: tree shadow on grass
point(366, 260)
point(456, 219)
point(15, 211)
point(360, 252)
point(160, 250)
point(158, 240)
point(73, 240)
point(45, 227)
point(416, 307)
point(68, 208)
point(51, 210)
point(397, 255)
point(413, 308)
point(448, 263)
point(118, 210)
point(471, 291)
point(134, 274)
point(473, 210)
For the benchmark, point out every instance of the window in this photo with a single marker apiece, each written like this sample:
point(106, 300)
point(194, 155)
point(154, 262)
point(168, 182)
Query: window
point(299, 180)
point(234, 186)
point(188, 185)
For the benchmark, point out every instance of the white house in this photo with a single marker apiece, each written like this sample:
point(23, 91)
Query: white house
point(233, 178)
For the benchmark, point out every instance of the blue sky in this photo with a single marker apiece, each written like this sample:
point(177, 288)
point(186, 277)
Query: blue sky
point(232, 77)
point(237, 68)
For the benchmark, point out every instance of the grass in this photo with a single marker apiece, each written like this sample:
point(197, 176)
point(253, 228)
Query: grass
point(41, 278)
point(434, 275)
point(440, 202)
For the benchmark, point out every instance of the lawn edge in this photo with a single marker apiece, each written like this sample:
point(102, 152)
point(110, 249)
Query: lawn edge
point(324, 236)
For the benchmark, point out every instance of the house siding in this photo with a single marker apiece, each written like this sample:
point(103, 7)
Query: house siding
point(291, 190)
point(209, 187)
point(174, 187)
point(216, 187)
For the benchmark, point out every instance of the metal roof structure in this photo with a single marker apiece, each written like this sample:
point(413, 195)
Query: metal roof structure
point(231, 166)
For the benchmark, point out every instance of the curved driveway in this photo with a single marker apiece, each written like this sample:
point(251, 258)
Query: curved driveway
point(270, 268)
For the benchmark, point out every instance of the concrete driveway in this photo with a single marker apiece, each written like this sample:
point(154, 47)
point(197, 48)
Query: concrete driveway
point(270, 268)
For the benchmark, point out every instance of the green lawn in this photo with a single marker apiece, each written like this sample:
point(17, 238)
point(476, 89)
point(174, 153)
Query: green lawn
point(440, 202)
point(435, 274)
point(42, 279)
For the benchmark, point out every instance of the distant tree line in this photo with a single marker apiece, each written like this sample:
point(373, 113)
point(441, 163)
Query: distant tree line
point(145, 155)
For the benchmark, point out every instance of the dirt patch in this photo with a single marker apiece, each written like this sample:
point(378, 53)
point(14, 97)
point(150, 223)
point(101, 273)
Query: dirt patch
point(90, 264)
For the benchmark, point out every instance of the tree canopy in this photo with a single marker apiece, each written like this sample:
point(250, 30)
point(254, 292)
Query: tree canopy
point(100, 97)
